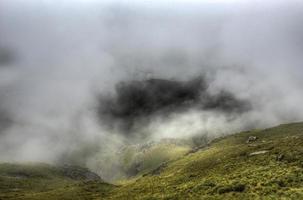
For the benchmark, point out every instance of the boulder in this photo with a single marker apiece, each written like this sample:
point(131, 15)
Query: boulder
point(251, 139)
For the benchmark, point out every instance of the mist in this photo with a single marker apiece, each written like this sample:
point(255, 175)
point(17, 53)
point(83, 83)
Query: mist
point(62, 64)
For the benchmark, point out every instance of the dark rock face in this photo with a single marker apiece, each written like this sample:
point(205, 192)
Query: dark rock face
point(79, 173)
point(143, 99)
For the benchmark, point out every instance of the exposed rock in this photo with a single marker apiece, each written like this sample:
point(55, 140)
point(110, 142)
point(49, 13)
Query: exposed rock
point(79, 173)
point(198, 148)
point(253, 145)
point(251, 139)
point(159, 169)
point(258, 153)
point(280, 157)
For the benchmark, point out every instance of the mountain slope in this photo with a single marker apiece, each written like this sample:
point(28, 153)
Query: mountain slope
point(42, 181)
point(266, 164)
point(247, 165)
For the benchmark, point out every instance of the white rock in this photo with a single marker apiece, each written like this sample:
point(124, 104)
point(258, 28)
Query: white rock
point(258, 153)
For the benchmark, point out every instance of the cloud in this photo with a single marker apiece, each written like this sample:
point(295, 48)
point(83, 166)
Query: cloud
point(143, 100)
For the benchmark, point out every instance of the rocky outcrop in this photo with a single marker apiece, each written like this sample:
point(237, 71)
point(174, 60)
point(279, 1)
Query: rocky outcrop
point(79, 173)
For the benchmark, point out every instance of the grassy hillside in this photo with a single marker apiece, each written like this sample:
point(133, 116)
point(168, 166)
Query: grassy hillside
point(258, 164)
point(232, 167)
point(42, 181)
point(139, 159)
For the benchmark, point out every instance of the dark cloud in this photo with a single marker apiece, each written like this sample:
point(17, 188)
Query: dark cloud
point(5, 120)
point(135, 100)
point(7, 57)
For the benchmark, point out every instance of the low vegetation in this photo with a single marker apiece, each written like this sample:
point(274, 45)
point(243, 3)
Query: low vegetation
point(42, 181)
point(257, 164)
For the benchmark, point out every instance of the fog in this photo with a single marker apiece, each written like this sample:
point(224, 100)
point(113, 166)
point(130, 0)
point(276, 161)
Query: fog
point(61, 60)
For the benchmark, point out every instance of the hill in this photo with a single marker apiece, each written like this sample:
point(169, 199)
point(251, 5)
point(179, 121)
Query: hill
point(260, 163)
point(255, 164)
point(138, 159)
point(42, 181)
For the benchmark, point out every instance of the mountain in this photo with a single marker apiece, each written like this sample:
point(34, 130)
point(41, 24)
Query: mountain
point(255, 164)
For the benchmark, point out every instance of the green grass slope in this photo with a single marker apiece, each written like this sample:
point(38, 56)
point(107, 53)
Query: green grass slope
point(42, 181)
point(270, 167)
point(136, 161)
